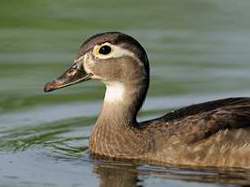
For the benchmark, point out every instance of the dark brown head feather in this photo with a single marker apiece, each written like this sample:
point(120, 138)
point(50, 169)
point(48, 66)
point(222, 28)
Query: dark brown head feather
point(116, 38)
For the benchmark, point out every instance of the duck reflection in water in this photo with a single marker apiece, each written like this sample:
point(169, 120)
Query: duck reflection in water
point(113, 174)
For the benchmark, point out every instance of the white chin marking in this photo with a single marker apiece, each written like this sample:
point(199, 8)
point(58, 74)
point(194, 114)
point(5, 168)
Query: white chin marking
point(114, 92)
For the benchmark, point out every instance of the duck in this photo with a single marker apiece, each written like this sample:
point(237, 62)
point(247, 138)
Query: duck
point(210, 134)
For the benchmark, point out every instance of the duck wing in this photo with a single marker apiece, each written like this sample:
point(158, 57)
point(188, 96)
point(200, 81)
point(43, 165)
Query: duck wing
point(199, 121)
point(237, 105)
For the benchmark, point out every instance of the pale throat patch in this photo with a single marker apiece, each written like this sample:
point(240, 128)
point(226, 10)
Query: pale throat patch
point(114, 92)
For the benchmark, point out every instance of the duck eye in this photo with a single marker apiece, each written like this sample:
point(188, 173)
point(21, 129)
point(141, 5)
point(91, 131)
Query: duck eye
point(105, 50)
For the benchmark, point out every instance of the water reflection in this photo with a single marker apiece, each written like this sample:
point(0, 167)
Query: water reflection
point(113, 174)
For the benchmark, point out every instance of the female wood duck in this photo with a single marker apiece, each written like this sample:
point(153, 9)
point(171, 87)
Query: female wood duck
point(215, 133)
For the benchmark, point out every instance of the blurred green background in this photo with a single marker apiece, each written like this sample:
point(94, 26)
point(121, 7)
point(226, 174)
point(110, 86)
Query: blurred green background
point(195, 46)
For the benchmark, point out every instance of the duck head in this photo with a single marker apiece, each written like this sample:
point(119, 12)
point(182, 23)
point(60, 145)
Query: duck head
point(112, 57)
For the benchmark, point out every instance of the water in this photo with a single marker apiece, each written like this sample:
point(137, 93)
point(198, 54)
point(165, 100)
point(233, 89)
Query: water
point(198, 49)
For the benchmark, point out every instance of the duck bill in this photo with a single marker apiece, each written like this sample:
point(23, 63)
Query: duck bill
point(74, 75)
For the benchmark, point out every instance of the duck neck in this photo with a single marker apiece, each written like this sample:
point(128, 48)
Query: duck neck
point(122, 102)
point(116, 125)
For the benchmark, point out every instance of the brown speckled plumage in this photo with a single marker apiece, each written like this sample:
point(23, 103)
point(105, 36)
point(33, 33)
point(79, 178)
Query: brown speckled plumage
point(214, 133)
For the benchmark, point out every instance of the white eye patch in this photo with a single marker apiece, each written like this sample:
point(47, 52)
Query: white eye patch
point(115, 52)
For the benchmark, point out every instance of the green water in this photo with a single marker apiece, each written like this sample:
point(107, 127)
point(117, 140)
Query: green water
point(198, 49)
